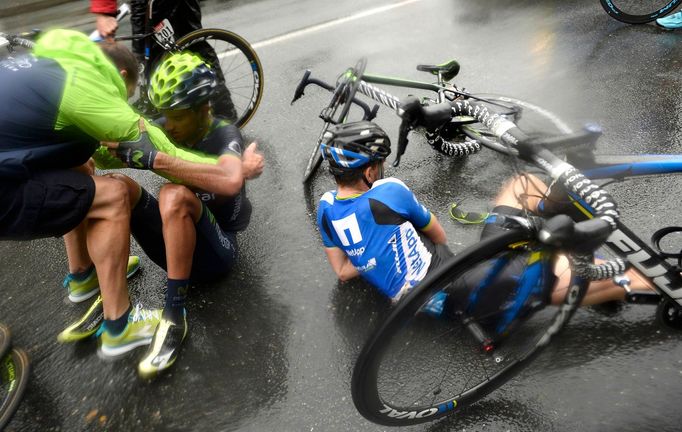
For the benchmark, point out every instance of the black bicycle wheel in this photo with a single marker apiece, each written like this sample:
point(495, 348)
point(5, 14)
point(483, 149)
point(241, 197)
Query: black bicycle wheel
point(529, 117)
point(638, 11)
point(417, 368)
point(240, 73)
point(14, 372)
point(342, 97)
point(315, 159)
point(5, 339)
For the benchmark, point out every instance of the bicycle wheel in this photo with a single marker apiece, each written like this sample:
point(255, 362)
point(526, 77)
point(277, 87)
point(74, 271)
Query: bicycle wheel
point(529, 117)
point(315, 159)
point(342, 97)
point(417, 368)
point(638, 11)
point(5, 339)
point(14, 371)
point(240, 73)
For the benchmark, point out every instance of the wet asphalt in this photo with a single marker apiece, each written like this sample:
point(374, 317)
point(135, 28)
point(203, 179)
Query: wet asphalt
point(272, 346)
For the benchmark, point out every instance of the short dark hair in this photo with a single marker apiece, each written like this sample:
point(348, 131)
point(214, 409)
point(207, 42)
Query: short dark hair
point(123, 59)
point(350, 177)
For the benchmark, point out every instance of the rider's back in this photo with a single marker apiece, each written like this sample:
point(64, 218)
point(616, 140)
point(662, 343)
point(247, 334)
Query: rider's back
point(378, 231)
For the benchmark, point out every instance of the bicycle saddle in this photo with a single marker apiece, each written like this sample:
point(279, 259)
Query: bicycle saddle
point(449, 69)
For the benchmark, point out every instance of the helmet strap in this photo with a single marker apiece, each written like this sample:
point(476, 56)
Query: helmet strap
point(364, 179)
point(380, 174)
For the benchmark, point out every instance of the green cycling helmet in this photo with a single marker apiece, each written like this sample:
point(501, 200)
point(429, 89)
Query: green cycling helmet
point(182, 80)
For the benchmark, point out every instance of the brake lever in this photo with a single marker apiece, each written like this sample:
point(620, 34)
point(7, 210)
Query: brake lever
point(301, 86)
point(405, 128)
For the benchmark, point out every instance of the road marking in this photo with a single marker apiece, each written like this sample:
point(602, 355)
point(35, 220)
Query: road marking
point(332, 23)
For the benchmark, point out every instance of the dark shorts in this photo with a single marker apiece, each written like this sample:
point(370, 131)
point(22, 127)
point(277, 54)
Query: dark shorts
point(215, 252)
point(491, 299)
point(48, 204)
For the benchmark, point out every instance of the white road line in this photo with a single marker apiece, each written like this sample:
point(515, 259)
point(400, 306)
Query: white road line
point(332, 23)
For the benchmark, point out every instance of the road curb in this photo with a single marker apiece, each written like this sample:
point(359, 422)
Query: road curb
point(18, 9)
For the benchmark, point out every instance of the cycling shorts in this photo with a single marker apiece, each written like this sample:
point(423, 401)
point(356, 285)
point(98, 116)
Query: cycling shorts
point(215, 252)
point(466, 293)
point(47, 204)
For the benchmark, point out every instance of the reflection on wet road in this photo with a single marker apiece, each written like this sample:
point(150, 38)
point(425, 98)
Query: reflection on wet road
point(271, 347)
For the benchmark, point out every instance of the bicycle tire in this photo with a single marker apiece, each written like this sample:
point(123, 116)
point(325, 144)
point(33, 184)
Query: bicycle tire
point(637, 11)
point(240, 87)
point(314, 161)
point(386, 386)
point(5, 339)
point(14, 372)
point(346, 88)
point(529, 117)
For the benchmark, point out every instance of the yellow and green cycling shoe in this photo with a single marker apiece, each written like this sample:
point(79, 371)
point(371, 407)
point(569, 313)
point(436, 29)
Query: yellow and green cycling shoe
point(84, 288)
point(86, 326)
point(164, 348)
point(139, 330)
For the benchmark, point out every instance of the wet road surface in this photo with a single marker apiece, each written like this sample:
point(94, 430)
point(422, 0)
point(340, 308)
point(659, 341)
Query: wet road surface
point(272, 346)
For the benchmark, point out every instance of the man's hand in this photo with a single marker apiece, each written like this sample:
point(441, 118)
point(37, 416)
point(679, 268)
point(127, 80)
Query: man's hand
point(253, 162)
point(138, 154)
point(106, 25)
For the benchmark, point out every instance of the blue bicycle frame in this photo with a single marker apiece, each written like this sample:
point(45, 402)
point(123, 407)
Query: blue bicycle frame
point(623, 242)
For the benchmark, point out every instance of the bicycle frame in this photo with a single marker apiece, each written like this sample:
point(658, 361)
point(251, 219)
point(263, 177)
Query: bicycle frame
point(623, 242)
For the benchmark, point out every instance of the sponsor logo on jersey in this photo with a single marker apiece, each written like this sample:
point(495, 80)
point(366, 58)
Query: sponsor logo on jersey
point(371, 263)
point(205, 196)
point(393, 241)
point(417, 257)
point(355, 252)
point(235, 147)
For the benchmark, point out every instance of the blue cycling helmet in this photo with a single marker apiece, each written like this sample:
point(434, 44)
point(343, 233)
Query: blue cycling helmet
point(351, 146)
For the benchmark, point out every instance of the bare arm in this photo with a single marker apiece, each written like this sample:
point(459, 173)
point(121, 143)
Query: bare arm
point(341, 264)
point(434, 231)
point(225, 178)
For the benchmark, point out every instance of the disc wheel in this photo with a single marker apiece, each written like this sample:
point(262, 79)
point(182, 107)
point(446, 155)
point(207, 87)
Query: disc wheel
point(239, 70)
point(638, 11)
point(417, 368)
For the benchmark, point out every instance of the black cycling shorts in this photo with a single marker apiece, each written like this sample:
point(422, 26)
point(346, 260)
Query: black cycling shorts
point(215, 252)
point(502, 292)
point(47, 204)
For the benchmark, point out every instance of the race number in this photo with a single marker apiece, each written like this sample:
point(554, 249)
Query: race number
point(350, 224)
point(163, 32)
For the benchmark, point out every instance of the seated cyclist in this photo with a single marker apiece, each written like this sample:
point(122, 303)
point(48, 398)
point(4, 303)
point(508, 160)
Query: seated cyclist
point(376, 228)
point(57, 105)
point(371, 226)
point(191, 230)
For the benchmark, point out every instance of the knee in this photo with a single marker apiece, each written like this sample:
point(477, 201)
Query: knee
point(132, 188)
point(524, 191)
point(176, 200)
point(113, 194)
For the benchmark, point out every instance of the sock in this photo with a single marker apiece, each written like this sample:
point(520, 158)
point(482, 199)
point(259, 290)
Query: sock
point(175, 299)
point(116, 326)
point(84, 274)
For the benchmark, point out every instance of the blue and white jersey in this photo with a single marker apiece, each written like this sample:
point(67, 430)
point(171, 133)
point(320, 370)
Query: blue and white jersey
point(378, 232)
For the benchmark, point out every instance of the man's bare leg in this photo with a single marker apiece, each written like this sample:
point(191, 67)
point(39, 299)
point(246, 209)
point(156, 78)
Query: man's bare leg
point(598, 291)
point(526, 192)
point(77, 249)
point(108, 241)
point(76, 241)
point(180, 211)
